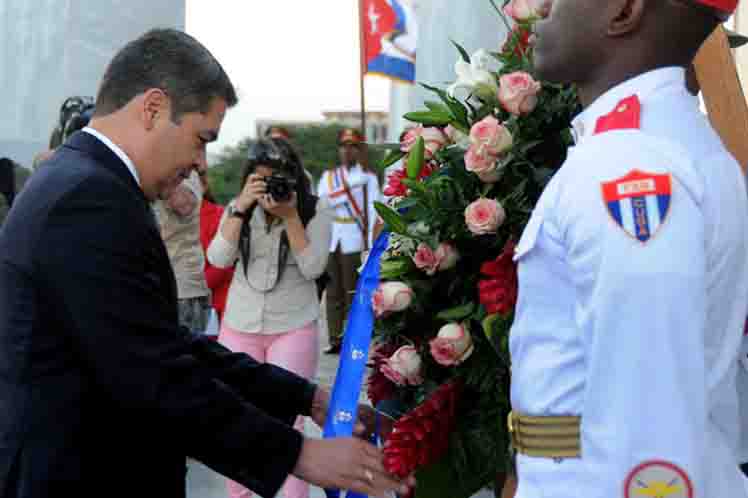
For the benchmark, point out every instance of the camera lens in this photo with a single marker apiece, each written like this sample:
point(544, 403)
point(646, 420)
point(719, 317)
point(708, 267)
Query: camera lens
point(279, 188)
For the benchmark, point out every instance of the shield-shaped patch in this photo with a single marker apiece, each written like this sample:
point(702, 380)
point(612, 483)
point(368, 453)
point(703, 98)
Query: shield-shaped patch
point(639, 202)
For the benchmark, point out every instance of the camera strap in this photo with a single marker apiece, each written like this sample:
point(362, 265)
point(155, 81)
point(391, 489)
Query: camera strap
point(360, 216)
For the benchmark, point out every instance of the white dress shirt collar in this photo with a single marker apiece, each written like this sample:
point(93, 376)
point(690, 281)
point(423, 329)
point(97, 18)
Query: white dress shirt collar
point(115, 148)
point(643, 85)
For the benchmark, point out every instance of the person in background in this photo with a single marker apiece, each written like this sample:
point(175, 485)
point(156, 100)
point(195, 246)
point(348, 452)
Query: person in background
point(75, 114)
point(276, 235)
point(8, 180)
point(217, 279)
point(179, 220)
point(352, 191)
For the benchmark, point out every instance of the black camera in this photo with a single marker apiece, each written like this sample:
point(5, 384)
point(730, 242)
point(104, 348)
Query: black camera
point(280, 188)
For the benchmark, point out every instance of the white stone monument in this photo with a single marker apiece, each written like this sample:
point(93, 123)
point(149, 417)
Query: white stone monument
point(473, 24)
point(53, 49)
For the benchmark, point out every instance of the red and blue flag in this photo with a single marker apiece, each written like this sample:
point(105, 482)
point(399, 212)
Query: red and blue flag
point(390, 38)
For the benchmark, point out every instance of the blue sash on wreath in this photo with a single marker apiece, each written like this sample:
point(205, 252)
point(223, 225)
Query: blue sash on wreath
point(341, 414)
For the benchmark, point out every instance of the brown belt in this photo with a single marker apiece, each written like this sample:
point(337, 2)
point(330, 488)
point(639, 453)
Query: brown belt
point(545, 437)
point(346, 219)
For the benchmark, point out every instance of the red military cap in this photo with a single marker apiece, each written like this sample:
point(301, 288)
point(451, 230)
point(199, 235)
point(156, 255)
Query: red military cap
point(725, 6)
point(350, 136)
point(279, 132)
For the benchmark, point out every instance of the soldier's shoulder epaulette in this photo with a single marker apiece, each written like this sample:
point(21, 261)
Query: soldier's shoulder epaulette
point(625, 116)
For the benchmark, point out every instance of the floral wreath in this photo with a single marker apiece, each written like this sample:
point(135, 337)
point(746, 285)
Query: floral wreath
point(473, 169)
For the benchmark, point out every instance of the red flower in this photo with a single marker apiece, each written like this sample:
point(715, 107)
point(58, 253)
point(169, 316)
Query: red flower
point(379, 387)
point(395, 187)
point(519, 38)
point(421, 437)
point(499, 293)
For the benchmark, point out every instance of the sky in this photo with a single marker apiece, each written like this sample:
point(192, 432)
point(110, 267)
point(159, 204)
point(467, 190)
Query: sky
point(289, 59)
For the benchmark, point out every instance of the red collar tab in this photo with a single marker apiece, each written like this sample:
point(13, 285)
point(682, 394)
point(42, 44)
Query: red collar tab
point(624, 117)
point(727, 6)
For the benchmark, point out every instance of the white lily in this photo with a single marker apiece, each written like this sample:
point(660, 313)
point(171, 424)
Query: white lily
point(475, 77)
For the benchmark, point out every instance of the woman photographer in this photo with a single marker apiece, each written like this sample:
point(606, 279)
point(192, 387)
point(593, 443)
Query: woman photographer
point(277, 236)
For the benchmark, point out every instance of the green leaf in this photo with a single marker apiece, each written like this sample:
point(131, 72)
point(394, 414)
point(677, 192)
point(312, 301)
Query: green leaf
point(488, 323)
point(429, 118)
point(440, 480)
point(414, 185)
point(437, 107)
point(406, 203)
point(462, 51)
point(456, 313)
point(415, 159)
point(457, 110)
point(495, 327)
point(394, 268)
point(529, 145)
point(391, 158)
point(392, 218)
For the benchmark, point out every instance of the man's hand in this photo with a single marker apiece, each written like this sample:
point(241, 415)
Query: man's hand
point(182, 201)
point(367, 416)
point(348, 463)
point(321, 401)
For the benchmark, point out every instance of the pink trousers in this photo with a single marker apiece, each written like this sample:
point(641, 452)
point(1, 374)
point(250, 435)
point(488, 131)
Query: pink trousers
point(297, 351)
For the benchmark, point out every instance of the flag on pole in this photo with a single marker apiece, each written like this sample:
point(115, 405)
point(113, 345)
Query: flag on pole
point(390, 38)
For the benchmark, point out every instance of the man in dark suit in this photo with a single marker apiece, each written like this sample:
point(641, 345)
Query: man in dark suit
point(101, 393)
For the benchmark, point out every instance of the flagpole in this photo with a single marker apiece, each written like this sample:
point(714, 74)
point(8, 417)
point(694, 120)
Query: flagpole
point(362, 58)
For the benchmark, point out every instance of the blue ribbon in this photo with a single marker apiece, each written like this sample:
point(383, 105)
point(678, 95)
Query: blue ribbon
point(342, 411)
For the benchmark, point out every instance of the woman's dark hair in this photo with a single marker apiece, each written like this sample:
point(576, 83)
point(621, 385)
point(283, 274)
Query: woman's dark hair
point(280, 156)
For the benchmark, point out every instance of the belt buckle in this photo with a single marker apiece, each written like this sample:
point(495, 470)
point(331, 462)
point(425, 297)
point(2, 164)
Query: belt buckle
point(513, 426)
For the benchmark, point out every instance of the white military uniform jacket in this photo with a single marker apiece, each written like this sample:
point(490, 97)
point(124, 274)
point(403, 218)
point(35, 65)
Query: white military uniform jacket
point(349, 217)
point(633, 284)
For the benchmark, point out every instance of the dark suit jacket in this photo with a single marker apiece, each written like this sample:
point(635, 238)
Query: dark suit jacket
point(101, 394)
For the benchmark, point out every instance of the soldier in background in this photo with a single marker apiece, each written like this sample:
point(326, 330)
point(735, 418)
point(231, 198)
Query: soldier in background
point(352, 190)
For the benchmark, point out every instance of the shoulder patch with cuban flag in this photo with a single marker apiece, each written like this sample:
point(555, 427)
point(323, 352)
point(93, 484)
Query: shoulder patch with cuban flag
point(639, 202)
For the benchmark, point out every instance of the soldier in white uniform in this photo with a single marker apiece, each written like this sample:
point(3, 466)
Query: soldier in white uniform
point(352, 190)
point(633, 272)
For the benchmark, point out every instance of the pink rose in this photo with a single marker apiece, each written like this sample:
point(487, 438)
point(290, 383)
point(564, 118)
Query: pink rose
point(426, 259)
point(478, 160)
point(434, 139)
point(484, 216)
point(518, 92)
point(403, 367)
point(391, 297)
point(528, 10)
point(447, 256)
point(452, 345)
point(490, 137)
